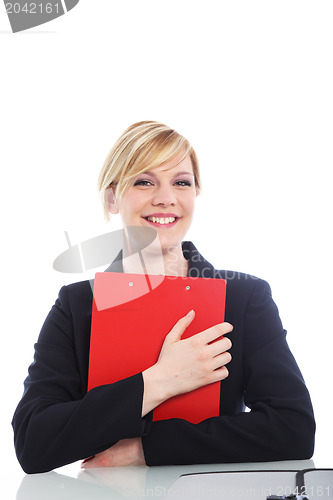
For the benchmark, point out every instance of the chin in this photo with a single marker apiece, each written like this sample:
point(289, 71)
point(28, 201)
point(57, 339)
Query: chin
point(169, 245)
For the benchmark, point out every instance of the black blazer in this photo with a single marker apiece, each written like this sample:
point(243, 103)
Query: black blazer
point(57, 422)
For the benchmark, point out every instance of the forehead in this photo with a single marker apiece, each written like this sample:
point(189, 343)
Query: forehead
point(174, 166)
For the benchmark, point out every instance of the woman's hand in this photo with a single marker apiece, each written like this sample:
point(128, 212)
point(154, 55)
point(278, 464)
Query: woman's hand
point(182, 366)
point(124, 452)
point(185, 365)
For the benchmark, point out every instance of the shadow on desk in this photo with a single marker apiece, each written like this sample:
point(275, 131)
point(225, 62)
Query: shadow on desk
point(154, 482)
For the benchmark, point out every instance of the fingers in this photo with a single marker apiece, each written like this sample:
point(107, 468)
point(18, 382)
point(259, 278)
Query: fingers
point(205, 337)
point(221, 373)
point(221, 360)
point(187, 364)
point(91, 463)
point(217, 375)
point(177, 331)
point(219, 347)
point(214, 332)
point(125, 452)
point(217, 355)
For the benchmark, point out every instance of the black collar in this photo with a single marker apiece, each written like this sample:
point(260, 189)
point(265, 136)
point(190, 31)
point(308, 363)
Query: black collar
point(198, 266)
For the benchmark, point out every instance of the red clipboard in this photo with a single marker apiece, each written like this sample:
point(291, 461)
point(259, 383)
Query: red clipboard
point(132, 314)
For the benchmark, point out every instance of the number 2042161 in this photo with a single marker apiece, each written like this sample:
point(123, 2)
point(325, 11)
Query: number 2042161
point(32, 8)
point(311, 491)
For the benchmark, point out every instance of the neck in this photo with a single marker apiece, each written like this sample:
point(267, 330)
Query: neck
point(153, 260)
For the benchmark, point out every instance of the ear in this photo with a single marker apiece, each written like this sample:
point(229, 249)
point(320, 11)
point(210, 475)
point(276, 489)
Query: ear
point(111, 200)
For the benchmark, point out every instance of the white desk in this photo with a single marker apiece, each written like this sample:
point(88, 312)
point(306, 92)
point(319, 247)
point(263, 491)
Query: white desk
point(135, 483)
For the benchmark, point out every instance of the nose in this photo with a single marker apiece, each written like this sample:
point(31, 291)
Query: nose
point(164, 196)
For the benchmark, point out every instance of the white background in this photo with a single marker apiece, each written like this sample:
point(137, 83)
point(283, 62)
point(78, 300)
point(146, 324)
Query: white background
point(249, 83)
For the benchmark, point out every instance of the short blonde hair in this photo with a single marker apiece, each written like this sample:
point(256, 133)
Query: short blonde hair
point(142, 147)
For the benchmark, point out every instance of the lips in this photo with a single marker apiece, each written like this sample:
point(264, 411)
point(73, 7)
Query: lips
point(162, 214)
point(162, 219)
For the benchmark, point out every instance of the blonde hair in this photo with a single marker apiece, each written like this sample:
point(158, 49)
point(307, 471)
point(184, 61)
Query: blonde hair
point(142, 147)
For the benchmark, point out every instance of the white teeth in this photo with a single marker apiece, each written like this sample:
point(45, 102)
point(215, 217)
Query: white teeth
point(162, 220)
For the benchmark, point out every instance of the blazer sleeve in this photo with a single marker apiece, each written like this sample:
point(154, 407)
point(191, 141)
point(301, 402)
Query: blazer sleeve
point(56, 421)
point(280, 424)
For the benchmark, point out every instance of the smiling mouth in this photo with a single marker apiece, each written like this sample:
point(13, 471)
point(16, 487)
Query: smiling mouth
point(162, 221)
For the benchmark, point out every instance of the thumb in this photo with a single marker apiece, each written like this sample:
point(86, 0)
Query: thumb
point(177, 331)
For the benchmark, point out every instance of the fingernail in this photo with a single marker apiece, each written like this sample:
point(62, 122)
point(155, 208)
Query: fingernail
point(189, 314)
point(85, 460)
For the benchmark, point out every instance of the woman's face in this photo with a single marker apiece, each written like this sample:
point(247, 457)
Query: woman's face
point(162, 198)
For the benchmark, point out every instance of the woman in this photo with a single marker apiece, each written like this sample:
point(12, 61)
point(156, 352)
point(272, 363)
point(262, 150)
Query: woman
point(151, 178)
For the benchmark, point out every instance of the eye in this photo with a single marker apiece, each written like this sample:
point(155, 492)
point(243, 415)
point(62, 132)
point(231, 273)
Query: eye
point(142, 182)
point(183, 183)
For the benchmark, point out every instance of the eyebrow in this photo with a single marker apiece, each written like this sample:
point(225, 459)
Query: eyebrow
point(184, 172)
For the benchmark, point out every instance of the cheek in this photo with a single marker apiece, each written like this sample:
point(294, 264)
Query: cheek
point(190, 203)
point(130, 206)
